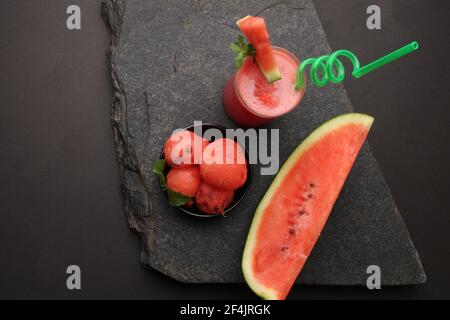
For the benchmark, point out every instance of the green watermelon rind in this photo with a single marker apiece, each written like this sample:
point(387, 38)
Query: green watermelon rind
point(270, 75)
point(315, 136)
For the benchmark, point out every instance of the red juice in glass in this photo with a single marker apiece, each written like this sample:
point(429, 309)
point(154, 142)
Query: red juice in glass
point(250, 101)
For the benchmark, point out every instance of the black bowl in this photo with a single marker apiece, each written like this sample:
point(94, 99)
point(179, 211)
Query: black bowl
point(239, 194)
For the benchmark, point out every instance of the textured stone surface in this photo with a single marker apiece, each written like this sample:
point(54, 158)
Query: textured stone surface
point(169, 63)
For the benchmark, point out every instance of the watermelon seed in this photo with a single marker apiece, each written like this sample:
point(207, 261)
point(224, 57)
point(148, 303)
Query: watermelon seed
point(312, 185)
point(292, 231)
point(310, 196)
point(284, 248)
point(302, 212)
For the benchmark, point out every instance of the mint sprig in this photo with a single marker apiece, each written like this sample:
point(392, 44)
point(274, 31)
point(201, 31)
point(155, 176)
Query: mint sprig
point(176, 199)
point(242, 50)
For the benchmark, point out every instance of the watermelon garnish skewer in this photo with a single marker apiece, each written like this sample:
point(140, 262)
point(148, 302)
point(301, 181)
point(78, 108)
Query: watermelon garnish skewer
point(255, 30)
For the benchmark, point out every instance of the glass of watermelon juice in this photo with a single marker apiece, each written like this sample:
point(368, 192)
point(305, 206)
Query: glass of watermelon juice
point(251, 101)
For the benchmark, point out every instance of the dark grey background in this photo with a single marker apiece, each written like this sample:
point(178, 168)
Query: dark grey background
point(60, 201)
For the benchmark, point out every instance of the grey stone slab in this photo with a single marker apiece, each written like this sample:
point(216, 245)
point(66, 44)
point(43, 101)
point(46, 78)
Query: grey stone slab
point(169, 63)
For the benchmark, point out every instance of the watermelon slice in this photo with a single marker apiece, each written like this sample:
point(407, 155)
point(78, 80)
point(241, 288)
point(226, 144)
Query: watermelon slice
point(295, 208)
point(255, 30)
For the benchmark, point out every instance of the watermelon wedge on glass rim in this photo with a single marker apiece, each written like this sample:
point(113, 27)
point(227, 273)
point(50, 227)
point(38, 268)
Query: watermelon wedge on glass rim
point(255, 30)
point(295, 208)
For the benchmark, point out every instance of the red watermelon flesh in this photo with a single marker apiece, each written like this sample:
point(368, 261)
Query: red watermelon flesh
point(184, 149)
point(224, 165)
point(294, 210)
point(184, 180)
point(255, 30)
point(210, 199)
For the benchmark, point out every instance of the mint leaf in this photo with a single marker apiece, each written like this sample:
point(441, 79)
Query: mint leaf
point(251, 51)
point(242, 50)
point(234, 47)
point(176, 199)
point(239, 60)
point(158, 169)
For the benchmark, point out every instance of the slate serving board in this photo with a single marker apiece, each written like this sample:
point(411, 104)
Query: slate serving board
point(169, 63)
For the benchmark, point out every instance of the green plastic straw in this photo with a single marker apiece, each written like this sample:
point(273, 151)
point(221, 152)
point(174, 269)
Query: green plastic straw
point(413, 46)
point(332, 69)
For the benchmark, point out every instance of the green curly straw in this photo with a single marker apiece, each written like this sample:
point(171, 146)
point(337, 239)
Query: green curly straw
point(326, 63)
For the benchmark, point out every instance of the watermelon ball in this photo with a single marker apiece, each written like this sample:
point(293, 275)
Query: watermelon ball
point(184, 180)
point(224, 165)
point(212, 200)
point(183, 149)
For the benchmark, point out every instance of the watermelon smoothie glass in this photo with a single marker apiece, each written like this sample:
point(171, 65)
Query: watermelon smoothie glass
point(251, 101)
